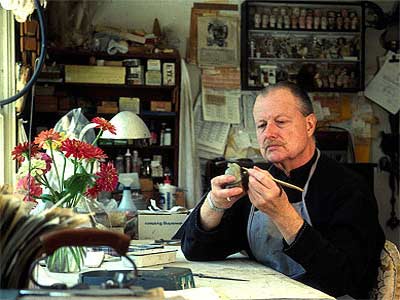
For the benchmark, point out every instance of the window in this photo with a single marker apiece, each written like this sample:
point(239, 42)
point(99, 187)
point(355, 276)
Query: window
point(7, 88)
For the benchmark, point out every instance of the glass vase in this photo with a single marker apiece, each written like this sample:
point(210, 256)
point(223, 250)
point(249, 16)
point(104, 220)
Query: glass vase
point(66, 260)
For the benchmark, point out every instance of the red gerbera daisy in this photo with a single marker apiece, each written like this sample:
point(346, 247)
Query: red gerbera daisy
point(21, 151)
point(104, 125)
point(107, 177)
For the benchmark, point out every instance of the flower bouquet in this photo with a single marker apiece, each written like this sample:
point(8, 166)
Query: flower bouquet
point(72, 164)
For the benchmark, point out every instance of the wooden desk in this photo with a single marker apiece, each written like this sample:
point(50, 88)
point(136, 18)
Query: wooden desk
point(264, 283)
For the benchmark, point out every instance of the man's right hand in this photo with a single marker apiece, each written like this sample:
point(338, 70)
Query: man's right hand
point(225, 197)
point(222, 198)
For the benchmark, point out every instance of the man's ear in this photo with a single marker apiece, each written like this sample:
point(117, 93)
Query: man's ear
point(311, 123)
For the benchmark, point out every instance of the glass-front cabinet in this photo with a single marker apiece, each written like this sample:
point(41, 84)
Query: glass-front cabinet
point(319, 45)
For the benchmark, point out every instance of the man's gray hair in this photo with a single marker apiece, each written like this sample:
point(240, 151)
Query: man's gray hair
point(306, 107)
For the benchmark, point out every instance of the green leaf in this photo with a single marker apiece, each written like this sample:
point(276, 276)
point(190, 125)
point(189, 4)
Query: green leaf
point(77, 183)
point(47, 197)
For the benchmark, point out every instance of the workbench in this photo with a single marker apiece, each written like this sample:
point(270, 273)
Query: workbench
point(264, 282)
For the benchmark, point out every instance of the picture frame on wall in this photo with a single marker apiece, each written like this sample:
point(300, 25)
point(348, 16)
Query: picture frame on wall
point(217, 41)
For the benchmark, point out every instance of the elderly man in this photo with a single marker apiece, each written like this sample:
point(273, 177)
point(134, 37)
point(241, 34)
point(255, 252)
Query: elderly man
point(327, 236)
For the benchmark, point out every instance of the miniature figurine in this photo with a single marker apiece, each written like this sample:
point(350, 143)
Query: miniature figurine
point(252, 48)
point(265, 21)
point(324, 23)
point(346, 23)
point(318, 80)
point(332, 80)
point(294, 22)
point(272, 21)
point(286, 22)
point(303, 12)
point(283, 11)
point(317, 13)
point(331, 20)
point(302, 22)
point(279, 22)
point(257, 20)
point(296, 11)
point(309, 22)
point(339, 22)
point(317, 22)
point(354, 23)
point(344, 12)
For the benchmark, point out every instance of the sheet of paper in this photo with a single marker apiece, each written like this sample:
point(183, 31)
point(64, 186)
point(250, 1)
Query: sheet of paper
point(384, 88)
point(248, 100)
point(211, 136)
point(221, 106)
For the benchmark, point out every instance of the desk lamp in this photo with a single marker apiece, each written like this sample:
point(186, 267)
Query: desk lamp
point(128, 126)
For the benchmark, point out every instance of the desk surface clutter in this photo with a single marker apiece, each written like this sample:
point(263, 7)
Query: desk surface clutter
point(261, 282)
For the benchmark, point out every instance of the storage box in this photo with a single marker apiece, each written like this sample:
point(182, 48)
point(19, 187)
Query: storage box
point(159, 225)
point(94, 74)
point(160, 106)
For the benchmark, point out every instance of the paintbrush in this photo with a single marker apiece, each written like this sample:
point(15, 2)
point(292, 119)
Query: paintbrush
point(283, 182)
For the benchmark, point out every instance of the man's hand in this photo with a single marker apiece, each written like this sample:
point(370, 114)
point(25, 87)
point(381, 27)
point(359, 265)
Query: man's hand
point(221, 198)
point(271, 199)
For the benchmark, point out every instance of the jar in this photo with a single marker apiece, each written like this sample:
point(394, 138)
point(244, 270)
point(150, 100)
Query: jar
point(167, 137)
point(146, 167)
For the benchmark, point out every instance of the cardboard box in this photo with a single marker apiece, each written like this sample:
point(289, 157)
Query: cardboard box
point(160, 106)
point(159, 225)
point(94, 74)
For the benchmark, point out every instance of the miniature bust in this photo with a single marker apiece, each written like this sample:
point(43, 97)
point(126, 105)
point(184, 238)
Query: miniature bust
point(286, 21)
point(272, 21)
point(257, 20)
point(317, 22)
point(302, 22)
point(324, 23)
point(354, 23)
point(293, 22)
point(265, 21)
point(279, 22)
point(309, 22)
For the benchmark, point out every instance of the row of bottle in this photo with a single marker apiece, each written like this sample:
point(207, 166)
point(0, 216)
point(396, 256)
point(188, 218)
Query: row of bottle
point(163, 138)
point(129, 163)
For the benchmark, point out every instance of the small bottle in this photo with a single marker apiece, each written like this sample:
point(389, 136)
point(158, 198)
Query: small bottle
point(119, 163)
point(135, 162)
point(128, 161)
point(146, 168)
point(162, 132)
point(153, 134)
point(167, 137)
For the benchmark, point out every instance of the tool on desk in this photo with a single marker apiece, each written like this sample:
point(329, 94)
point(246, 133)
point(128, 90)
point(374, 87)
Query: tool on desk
point(201, 275)
point(289, 185)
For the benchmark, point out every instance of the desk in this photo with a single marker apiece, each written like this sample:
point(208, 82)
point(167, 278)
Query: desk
point(264, 283)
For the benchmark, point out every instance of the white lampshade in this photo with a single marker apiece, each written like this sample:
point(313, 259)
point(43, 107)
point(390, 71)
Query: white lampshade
point(127, 126)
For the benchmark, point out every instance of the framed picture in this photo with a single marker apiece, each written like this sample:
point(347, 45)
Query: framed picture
point(217, 41)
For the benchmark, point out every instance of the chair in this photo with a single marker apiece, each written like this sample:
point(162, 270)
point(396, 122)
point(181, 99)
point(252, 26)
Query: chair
point(388, 281)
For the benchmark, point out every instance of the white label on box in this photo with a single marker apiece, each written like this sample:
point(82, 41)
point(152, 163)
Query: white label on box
point(153, 65)
point(159, 226)
point(168, 73)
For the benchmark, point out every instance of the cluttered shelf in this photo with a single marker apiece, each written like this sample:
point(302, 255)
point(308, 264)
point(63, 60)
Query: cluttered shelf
point(67, 53)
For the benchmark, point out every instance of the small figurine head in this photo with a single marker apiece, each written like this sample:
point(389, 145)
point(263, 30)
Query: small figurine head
point(241, 175)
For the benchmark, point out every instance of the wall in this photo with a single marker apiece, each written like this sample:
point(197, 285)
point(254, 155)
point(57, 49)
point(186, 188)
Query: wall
point(175, 15)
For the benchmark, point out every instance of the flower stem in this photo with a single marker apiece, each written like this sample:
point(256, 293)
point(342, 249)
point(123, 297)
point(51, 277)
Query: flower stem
point(55, 165)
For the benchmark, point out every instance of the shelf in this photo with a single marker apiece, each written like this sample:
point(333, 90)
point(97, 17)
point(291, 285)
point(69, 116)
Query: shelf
point(305, 60)
point(54, 94)
point(94, 85)
point(67, 53)
point(316, 90)
point(277, 31)
point(300, 51)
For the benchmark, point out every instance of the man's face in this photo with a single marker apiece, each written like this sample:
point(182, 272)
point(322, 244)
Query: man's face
point(283, 133)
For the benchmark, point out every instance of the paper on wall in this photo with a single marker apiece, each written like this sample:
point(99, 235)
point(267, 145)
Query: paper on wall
point(221, 106)
point(211, 136)
point(249, 124)
point(384, 88)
